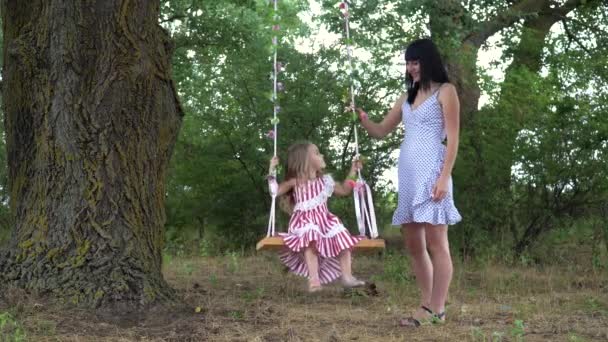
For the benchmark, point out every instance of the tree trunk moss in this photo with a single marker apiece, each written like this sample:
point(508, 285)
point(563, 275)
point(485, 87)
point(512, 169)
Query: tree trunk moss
point(91, 117)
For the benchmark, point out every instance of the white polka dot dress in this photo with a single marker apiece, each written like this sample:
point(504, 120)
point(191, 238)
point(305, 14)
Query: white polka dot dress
point(311, 221)
point(420, 162)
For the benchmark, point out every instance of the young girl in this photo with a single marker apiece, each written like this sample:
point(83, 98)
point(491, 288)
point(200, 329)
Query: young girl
point(317, 244)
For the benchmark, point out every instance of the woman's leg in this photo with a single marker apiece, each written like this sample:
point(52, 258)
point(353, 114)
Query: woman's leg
point(438, 245)
point(415, 243)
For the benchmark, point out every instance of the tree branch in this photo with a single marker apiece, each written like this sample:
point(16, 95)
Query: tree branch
point(503, 20)
point(345, 149)
point(570, 5)
point(173, 17)
point(594, 29)
point(254, 180)
point(572, 37)
point(178, 16)
point(516, 11)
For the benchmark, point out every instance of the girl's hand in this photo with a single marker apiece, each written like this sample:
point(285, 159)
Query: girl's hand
point(273, 164)
point(356, 165)
point(440, 189)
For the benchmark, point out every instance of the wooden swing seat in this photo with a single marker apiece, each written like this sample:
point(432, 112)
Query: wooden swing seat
point(275, 243)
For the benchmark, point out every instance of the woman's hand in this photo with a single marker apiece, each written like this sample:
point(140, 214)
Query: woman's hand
point(440, 189)
point(388, 124)
point(362, 115)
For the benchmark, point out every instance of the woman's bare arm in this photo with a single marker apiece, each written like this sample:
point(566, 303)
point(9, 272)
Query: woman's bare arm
point(388, 123)
point(448, 98)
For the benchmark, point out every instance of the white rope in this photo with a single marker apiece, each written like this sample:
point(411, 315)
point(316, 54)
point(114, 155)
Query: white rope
point(271, 222)
point(272, 219)
point(360, 222)
point(274, 90)
point(350, 74)
point(364, 206)
point(362, 194)
point(364, 209)
point(373, 227)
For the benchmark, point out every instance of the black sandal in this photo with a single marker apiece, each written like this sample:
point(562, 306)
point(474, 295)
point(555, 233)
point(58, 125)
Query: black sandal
point(438, 318)
point(413, 322)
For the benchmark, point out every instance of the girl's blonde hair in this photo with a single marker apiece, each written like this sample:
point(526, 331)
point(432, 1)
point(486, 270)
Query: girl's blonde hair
point(298, 168)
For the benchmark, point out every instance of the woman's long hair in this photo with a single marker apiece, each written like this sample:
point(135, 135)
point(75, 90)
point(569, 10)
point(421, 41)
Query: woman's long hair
point(298, 168)
point(431, 67)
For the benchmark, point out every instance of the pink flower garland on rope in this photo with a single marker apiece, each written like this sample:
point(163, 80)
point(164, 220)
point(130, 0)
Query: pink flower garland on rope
point(276, 108)
point(364, 205)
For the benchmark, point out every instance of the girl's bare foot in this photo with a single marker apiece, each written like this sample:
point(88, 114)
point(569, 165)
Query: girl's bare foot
point(314, 286)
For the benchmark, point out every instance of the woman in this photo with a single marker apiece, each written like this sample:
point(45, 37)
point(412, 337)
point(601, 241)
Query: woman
point(430, 114)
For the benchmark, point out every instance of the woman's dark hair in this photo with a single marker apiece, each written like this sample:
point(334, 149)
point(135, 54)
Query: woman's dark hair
point(431, 67)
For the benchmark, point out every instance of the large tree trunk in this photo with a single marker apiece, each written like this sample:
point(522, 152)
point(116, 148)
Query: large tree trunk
point(91, 117)
point(451, 25)
point(448, 26)
point(527, 60)
point(447, 23)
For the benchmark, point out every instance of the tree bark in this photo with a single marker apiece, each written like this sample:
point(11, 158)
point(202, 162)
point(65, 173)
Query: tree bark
point(448, 21)
point(91, 117)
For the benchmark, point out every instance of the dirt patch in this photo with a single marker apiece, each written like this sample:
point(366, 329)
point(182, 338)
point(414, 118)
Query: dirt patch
point(252, 299)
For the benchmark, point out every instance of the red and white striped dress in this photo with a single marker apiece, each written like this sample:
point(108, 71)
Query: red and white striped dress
point(312, 221)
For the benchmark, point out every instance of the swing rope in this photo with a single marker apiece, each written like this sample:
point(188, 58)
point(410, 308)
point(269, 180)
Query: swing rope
point(275, 121)
point(364, 205)
point(362, 194)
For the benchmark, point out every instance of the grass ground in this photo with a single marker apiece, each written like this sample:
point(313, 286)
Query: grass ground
point(236, 298)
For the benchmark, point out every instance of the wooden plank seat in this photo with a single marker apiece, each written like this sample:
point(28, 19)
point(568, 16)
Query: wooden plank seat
point(275, 243)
